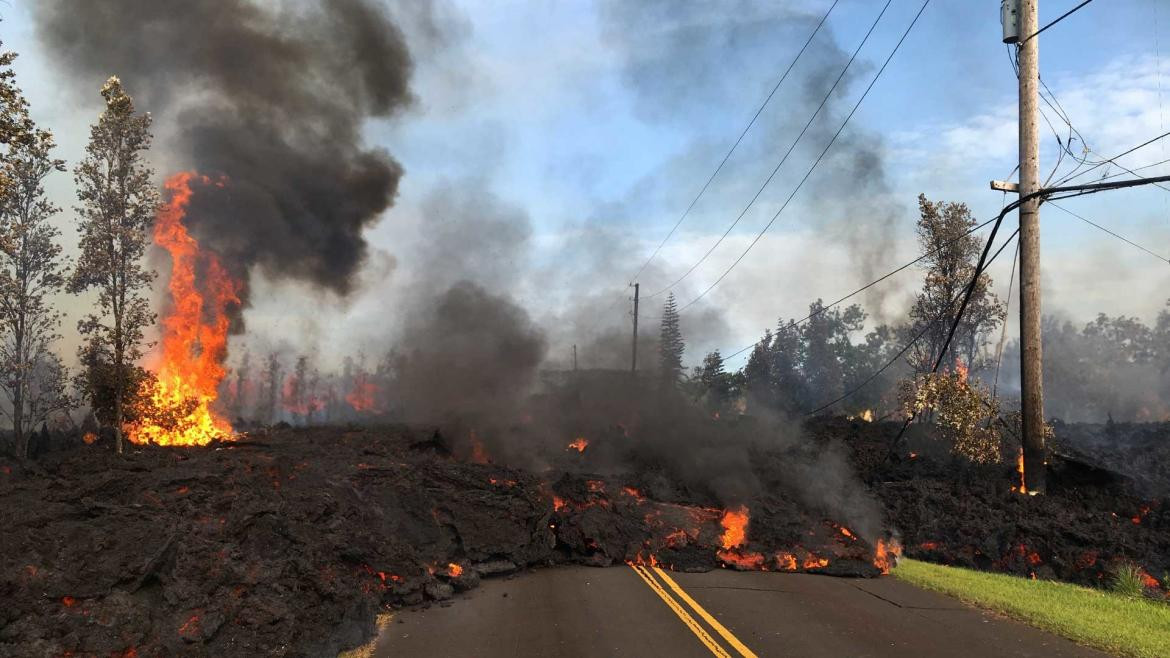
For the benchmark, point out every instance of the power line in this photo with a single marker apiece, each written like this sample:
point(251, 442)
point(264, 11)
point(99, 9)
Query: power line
point(816, 162)
point(1003, 334)
point(1063, 16)
point(873, 283)
point(1113, 160)
point(783, 159)
point(915, 339)
point(1088, 189)
point(737, 142)
point(1119, 237)
point(982, 266)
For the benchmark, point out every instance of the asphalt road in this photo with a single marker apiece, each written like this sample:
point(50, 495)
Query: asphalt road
point(621, 611)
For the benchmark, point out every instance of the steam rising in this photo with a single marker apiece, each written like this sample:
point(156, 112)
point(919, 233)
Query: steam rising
point(272, 98)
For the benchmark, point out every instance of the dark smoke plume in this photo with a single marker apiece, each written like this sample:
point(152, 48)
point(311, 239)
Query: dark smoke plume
point(272, 98)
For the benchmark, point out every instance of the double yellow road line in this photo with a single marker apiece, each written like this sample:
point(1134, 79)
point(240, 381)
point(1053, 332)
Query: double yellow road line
point(647, 574)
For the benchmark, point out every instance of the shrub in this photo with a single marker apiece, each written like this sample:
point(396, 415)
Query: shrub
point(962, 412)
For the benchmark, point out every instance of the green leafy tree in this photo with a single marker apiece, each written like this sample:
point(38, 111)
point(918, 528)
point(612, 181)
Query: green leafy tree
point(32, 376)
point(118, 205)
point(951, 255)
point(772, 376)
point(827, 344)
point(866, 358)
point(715, 385)
point(671, 345)
point(16, 127)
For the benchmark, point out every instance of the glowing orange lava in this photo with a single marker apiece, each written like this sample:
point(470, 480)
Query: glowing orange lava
point(194, 332)
point(735, 523)
point(579, 444)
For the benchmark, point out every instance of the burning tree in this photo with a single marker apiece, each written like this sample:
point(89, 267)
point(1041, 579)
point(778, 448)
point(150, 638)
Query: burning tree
point(31, 374)
point(118, 203)
point(962, 411)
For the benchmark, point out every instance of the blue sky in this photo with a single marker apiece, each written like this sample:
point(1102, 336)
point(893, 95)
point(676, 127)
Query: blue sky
point(588, 119)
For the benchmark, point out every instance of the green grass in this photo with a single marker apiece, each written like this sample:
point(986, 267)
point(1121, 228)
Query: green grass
point(1118, 624)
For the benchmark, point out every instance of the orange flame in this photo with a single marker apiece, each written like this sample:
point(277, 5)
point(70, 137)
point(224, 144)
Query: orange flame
point(735, 523)
point(454, 570)
point(1137, 519)
point(786, 561)
point(194, 333)
point(479, 454)
point(578, 444)
point(362, 397)
point(1022, 488)
point(961, 371)
point(886, 554)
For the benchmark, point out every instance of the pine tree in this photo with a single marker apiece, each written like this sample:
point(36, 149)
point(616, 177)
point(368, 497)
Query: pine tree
point(715, 384)
point(118, 205)
point(32, 376)
point(671, 345)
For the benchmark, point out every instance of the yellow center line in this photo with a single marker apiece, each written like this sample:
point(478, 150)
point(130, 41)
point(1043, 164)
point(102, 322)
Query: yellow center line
point(677, 608)
point(719, 628)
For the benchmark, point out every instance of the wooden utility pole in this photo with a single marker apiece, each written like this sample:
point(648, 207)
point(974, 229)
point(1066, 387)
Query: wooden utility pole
point(1031, 354)
point(574, 358)
point(634, 350)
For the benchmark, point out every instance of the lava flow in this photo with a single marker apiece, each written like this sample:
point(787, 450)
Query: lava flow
point(735, 524)
point(179, 410)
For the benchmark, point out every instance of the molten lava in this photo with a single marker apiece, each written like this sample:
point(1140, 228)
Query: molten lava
point(734, 524)
point(578, 444)
point(194, 332)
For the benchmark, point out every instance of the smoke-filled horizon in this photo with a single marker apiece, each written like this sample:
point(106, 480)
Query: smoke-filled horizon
point(288, 101)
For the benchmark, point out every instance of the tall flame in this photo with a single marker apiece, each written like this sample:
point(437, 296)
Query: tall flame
point(194, 332)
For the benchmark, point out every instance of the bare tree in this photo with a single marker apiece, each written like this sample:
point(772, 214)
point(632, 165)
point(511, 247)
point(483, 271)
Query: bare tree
point(243, 376)
point(31, 374)
point(274, 383)
point(118, 204)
